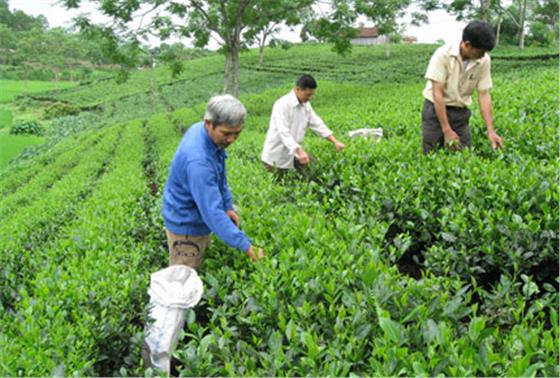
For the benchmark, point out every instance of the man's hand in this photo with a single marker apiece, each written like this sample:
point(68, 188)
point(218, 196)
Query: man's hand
point(495, 140)
point(254, 256)
point(302, 156)
point(339, 146)
point(451, 140)
point(233, 216)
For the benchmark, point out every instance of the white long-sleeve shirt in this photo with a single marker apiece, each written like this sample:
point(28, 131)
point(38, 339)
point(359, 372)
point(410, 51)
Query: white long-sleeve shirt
point(288, 123)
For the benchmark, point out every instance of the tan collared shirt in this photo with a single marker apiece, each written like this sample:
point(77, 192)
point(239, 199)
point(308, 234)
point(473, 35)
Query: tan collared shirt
point(446, 66)
point(288, 123)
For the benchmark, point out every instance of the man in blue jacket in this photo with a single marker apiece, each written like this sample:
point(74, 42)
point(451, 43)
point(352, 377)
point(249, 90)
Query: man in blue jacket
point(197, 199)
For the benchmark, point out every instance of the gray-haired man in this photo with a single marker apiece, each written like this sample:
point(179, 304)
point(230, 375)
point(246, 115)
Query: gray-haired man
point(197, 199)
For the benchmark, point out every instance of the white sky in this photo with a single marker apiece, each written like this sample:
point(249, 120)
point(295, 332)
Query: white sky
point(440, 25)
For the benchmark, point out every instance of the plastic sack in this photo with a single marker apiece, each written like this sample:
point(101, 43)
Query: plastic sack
point(374, 134)
point(172, 291)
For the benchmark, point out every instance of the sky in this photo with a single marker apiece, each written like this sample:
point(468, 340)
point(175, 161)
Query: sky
point(440, 25)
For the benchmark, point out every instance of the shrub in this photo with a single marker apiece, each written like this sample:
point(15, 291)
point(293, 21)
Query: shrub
point(31, 127)
point(61, 109)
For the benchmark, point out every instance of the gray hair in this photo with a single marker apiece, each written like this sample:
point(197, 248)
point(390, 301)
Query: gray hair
point(225, 109)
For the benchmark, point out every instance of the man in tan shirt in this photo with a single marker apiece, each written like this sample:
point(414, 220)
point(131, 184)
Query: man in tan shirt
point(453, 74)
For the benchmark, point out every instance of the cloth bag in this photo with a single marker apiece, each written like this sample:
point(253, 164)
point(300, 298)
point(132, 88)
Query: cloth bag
point(375, 134)
point(172, 291)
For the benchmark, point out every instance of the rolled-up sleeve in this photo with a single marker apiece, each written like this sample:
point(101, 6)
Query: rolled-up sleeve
point(279, 121)
point(203, 183)
point(317, 125)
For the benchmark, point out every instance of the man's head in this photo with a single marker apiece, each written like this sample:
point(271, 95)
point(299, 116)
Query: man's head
point(224, 119)
point(478, 38)
point(305, 88)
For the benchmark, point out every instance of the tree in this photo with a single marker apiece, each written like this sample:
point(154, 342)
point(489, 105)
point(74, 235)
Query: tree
point(268, 31)
point(543, 29)
point(517, 14)
point(512, 18)
point(384, 14)
point(337, 26)
point(471, 9)
point(35, 51)
point(234, 24)
point(19, 20)
point(270, 21)
point(223, 20)
point(8, 44)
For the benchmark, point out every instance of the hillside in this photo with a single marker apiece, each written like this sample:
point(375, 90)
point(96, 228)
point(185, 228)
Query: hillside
point(148, 92)
point(381, 261)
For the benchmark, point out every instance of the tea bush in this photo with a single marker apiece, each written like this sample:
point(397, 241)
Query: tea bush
point(380, 260)
point(60, 109)
point(29, 127)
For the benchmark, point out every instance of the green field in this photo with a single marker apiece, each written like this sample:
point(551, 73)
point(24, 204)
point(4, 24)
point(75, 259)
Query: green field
point(12, 145)
point(9, 89)
point(5, 118)
point(380, 262)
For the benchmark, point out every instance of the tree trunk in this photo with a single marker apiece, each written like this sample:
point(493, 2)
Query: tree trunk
point(262, 43)
point(522, 24)
point(226, 70)
point(387, 46)
point(235, 69)
point(484, 9)
point(500, 20)
point(152, 83)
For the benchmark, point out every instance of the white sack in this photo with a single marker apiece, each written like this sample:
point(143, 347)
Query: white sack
point(375, 134)
point(172, 291)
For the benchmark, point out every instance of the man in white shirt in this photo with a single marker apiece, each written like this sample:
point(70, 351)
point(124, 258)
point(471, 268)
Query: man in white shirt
point(291, 115)
point(453, 74)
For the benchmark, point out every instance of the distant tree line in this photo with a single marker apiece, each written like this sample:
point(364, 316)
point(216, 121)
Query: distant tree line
point(29, 49)
point(236, 24)
point(517, 22)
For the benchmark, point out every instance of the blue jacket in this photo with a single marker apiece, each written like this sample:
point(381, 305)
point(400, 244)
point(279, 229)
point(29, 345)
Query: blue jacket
point(196, 195)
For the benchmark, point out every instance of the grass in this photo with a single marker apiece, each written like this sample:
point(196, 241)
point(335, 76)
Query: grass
point(12, 145)
point(11, 88)
point(5, 118)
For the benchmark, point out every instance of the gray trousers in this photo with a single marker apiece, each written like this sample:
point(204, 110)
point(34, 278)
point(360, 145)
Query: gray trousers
point(432, 135)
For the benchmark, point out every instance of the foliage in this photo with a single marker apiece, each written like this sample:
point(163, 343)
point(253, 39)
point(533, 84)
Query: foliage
point(60, 109)
point(380, 261)
point(541, 17)
point(204, 77)
point(64, 127)
point(543, 30)
point(18, 20)
point(30, 50)
point(30, 127)
point(235, 24)
point(13, 88)
point(5, 118)
point(12, 145)
point(225, 21)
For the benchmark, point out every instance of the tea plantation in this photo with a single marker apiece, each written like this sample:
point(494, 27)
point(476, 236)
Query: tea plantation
point(380, 261)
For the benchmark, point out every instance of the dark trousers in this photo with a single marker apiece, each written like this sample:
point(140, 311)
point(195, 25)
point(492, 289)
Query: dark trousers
point(281, 172)
point(432, 134)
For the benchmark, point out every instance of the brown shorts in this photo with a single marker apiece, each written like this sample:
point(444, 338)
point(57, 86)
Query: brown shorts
point(432, 135)
point(186, 249)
